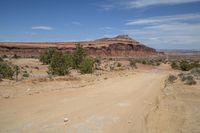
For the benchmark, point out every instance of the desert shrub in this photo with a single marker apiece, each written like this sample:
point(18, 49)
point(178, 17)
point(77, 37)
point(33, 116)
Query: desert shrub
point(144, 62)
point(98, 60)
point(47, 55)
point(1, 59)
point(6, 70)
point(1, 77)
point(4, 56)
point(174, 65)
point(119, 64)
point(25, 75)
point(86, 65)
point(25, 71)
point(184, 77)
point(157, 63)
point(172, 78)
point(150, 62)
point(190, 80)
point(68, 59)
point(60, 64)
point(185, 66)
point(195, 65)
point(16, 72)
point(132, 63)
point(78, 56)
point(97, 63)
point(195, 72)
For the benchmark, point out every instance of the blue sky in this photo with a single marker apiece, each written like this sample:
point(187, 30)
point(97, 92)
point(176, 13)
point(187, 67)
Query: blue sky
point(171, 24)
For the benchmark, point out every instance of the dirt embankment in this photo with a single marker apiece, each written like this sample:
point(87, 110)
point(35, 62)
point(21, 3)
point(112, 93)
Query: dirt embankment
point(177, 110)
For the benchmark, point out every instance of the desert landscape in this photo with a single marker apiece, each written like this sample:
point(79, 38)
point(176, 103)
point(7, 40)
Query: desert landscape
point(99, 66)
point(138, 94)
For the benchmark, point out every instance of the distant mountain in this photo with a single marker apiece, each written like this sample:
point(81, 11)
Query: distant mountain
point(119, 46)
point(180, 51)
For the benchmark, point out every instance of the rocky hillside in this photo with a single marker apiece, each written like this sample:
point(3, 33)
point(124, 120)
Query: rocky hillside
point(119, 46)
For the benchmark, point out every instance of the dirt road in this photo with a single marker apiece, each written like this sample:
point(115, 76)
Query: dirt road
point(117, 105)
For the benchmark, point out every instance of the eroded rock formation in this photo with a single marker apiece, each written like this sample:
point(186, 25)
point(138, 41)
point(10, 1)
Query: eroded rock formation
point(119, 46)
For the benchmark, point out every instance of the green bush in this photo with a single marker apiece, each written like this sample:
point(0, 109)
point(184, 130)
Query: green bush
point(175, 65)
point(47, 55)
point(6, 70)
point(172, 78)
point(60, 64)
point(185, 66)
point(68, 59)
point(87, 65)
point(78, 56)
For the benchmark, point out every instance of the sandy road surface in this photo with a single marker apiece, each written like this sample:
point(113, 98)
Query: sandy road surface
point(115, 105)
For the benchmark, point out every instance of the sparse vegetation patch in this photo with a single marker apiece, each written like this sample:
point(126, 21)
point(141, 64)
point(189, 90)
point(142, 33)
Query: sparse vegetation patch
point(132, 63)
point(184, 65)
point(172, 78)
point(60, 63)
point(6, 70)
point(87, 65)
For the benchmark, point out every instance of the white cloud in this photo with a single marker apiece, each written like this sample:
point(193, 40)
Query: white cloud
point(167, 31)
point(145, 3)
point(42, 28)
point(164, 19)
point(116, 4)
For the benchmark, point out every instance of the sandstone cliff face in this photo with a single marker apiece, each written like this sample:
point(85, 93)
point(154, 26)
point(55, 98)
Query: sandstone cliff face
point(120, 46)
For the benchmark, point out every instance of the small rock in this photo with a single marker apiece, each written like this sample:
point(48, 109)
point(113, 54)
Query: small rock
point(66, 119)
point(129, 122)
point(6, 96)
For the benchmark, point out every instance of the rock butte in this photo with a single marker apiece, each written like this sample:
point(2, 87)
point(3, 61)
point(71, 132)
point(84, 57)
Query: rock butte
point(119, 46)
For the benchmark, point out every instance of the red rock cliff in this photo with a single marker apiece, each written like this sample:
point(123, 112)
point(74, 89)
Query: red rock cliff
point(119, 46)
